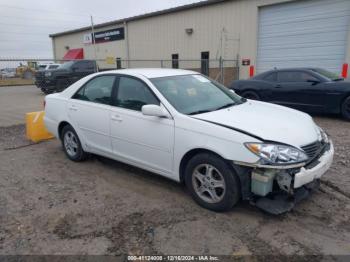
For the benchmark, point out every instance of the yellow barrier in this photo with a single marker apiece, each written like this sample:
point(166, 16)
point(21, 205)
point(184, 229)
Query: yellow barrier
point(35, 128)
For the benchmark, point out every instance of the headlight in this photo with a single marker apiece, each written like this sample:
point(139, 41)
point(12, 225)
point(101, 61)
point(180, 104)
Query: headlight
point(277, 154)
point(47, 73)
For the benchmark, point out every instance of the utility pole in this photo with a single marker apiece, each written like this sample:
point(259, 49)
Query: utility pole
point(94, 42)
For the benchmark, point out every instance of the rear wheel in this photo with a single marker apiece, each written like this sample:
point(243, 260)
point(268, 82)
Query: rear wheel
point(71, 144)
point(212, 182)
point(346, 108)
point(251, 95)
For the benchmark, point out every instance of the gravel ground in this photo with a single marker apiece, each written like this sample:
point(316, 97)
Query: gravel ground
point(50, 205)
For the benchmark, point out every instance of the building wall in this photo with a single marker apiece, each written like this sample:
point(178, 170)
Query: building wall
point(160, 36)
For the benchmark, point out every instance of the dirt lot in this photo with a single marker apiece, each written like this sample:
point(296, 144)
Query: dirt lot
point(50, 205)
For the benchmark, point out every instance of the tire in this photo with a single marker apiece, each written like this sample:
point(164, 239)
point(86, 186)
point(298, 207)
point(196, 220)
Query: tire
point(212, 183)
point(71, 144)
point(62, 84)
point(251, 95)
point(345, 108)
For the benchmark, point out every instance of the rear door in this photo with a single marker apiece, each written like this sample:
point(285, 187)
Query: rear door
point(89, 111)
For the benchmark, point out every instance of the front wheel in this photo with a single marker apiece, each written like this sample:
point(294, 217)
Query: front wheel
point(346, 108)
point(212, 183)
point(72, 145)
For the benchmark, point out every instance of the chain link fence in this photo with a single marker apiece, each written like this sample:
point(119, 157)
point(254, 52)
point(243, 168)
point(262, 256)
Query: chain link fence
point(54, 75)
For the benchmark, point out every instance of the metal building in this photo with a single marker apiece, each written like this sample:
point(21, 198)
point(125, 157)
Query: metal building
point(263, 33)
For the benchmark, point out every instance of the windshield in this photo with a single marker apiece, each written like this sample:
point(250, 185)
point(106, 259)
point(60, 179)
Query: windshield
point(66, 65)
point(330, 75)
point(195, 94)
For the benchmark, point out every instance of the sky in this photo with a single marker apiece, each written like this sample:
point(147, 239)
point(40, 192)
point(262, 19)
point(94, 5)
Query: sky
point(25, 25)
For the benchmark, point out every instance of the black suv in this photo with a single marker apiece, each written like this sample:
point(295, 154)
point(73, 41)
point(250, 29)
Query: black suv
point(56, 80)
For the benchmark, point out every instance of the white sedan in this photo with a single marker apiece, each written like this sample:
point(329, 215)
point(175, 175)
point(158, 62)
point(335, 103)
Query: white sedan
point(189, 128)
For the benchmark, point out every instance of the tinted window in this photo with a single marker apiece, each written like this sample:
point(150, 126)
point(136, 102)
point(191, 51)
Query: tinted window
point(328, 74)
point(133, 94)
point(295, 76)
point(66, 65)
point(84, 65)
point(271, 77)
point(97, 90)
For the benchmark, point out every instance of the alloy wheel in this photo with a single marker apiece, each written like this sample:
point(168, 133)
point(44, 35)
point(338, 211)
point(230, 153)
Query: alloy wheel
point(71, 143)
point(208, 183)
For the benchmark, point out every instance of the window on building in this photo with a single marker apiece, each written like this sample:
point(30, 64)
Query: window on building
point(175, 60)
point(205, 63)
point(119, 63)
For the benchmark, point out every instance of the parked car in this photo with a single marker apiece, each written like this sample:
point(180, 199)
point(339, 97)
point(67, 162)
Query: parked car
point(56, 80)
point(312, 90)
point(186, 127)
point(43, 67)
point(7, 73)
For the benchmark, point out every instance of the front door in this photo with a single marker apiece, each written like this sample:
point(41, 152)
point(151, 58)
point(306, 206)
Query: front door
point(145, 141)
point(89, 111)
point(298, 89)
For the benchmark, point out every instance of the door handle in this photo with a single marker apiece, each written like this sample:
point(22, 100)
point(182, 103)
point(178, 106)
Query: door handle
point(278, 86)
point(116, 118)
point(73, 108)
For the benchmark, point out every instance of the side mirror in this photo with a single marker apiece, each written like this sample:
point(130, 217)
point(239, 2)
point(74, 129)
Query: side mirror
point(154, 110)
point(233, 91)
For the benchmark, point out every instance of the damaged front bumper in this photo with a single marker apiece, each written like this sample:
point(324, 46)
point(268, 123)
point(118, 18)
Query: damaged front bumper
point(278, 190)
point(315, 169)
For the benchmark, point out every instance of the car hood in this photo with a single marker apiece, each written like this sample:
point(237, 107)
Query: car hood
point(267, 121)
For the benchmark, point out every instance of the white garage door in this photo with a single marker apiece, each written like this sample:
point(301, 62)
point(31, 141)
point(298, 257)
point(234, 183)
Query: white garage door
point(303, 33)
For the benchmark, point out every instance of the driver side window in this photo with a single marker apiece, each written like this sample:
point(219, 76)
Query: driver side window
point(133, 94)
point(295, 76)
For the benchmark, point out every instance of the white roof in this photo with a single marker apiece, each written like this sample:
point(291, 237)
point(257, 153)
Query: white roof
point(154, 72)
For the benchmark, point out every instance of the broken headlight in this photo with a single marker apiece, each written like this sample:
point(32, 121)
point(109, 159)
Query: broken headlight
point(277, 154)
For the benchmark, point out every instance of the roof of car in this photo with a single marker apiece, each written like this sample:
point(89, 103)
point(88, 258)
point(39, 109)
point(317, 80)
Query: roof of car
point(154, 72)
point(293, 69)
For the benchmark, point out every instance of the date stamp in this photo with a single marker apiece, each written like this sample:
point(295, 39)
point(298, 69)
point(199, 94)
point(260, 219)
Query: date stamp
point(173, 258)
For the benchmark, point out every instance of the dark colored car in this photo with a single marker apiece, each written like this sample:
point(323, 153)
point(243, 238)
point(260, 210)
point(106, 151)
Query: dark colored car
point(56, 80)
point(312, 90)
